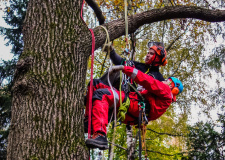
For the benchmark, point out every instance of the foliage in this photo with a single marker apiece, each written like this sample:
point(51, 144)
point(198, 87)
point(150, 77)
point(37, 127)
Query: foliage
point(14, 16)
point(217, 60)
point(6, 70)
point(205, 142)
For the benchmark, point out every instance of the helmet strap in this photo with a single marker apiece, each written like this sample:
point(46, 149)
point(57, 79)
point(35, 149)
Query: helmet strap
point(154, 60)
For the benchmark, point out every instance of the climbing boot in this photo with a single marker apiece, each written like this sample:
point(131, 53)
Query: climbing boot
point(98, 140)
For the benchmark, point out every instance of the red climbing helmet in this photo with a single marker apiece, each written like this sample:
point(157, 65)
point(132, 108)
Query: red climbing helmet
point(158, 47)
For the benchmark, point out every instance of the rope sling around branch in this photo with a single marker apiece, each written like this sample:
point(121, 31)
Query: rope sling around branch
point(113, 141)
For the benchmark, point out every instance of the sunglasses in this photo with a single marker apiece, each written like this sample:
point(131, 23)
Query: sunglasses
point(151, 43)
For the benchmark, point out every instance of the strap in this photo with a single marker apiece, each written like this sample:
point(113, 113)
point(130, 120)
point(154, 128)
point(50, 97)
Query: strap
point(139, 94)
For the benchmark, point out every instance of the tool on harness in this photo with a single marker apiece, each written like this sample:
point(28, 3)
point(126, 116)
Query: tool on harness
point(144, 117)
point(142, 123)
point(143, 133)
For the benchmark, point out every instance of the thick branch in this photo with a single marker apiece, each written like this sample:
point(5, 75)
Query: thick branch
point(97, 11)
point(116, 28)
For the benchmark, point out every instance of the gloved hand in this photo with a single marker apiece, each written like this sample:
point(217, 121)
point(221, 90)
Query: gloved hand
point(115, 68)
point(107, 47)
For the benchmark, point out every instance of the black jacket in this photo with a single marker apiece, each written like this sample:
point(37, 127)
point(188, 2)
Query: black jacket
point(152, 70)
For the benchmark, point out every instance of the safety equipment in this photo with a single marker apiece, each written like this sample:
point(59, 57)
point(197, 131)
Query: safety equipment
point(158, 47)
point(161, 52)
point(178, 86)
point(152, 43)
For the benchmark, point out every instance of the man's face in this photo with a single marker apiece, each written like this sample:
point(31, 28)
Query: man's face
point(149, 55)
point(169, 82)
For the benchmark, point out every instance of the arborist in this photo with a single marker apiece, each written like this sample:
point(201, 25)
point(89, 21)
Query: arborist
point(155, 57)
point(159, 96)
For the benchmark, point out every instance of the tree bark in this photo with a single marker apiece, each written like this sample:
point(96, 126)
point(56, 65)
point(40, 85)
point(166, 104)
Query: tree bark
point(47, 109)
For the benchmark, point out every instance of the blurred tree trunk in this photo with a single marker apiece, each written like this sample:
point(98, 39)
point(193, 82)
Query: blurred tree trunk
point(130, 143)
point(47, 109)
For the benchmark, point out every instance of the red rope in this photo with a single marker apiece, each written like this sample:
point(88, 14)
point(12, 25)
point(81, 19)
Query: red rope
point(91, 81)
point(91, 84)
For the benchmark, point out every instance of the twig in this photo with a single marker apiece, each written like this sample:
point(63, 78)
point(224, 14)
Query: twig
point(169, 134)
point(165, 153)
point(117, 145)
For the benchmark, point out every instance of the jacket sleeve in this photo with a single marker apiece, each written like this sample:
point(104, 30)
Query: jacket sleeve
point(116, 59)
point(157, 93)
point(148, 82)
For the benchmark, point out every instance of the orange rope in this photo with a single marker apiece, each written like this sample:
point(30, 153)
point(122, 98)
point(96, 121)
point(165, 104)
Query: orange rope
point(144, 128)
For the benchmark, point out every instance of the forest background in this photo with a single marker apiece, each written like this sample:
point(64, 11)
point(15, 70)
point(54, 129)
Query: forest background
point(195, 55)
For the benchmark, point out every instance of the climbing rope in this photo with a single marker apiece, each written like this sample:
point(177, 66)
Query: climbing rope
point(113, 140)
point(107, 39)
point(126, 23)
point(139, 131)
point(123, 110)
point(91, 84)
point(91, 78)
point(144, 135)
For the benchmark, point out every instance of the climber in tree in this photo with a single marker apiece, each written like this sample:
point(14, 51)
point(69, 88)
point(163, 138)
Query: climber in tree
point(157, 96)
point(155, 57)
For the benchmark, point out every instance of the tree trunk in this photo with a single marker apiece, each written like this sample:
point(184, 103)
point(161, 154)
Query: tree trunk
point(47, 109)
point(130, 143)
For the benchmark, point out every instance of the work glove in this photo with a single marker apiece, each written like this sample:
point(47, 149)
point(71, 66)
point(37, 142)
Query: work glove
point(107, 47)
point(115, 68)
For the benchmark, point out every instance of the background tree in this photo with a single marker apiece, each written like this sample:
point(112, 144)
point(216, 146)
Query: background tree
point(15, 14)
point(205, 142)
